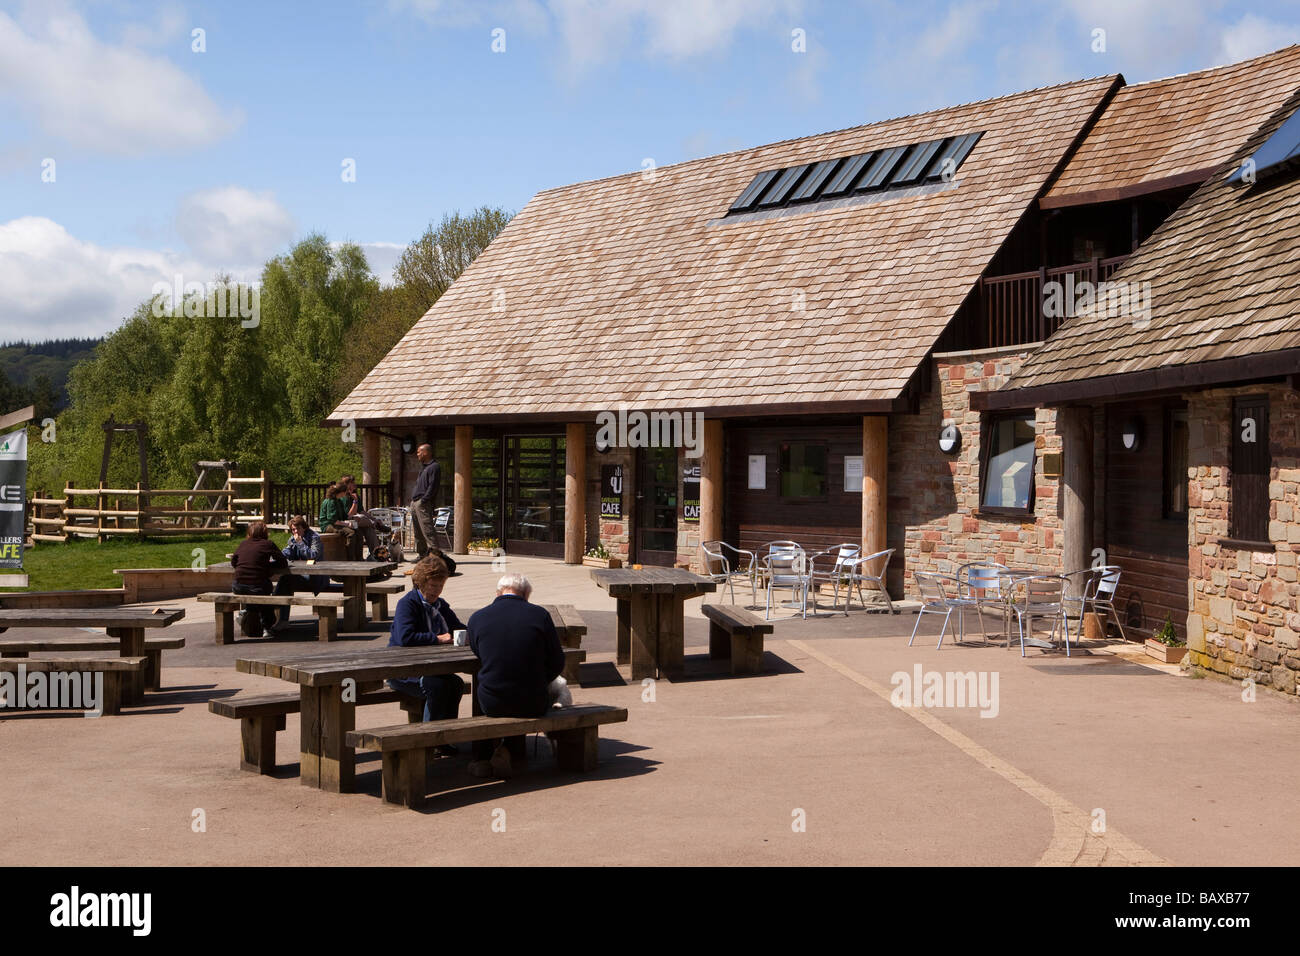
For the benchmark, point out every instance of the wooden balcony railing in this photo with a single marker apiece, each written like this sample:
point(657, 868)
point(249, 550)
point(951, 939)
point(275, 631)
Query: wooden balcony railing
point(1011, 306)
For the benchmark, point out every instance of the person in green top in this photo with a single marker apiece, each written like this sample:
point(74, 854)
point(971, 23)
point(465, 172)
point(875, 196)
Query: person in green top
point(334, 517)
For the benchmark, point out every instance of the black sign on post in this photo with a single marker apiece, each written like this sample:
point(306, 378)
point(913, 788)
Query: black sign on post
point(691, 493)
point(611, 491)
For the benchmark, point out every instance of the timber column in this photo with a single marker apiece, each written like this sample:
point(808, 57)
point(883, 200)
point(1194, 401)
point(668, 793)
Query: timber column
point(369, 457)
point(875, 470)
point(1075, 426)
point(711, 482)
point(575, 492)
point(397, 471)
point(462, 515)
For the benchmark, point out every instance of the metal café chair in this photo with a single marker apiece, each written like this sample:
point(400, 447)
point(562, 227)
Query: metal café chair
point(1039, 596)
point(981, 582)
point(786, 567)
point(845, 557)
point(939, 596)
point(862, 573)
point(442, 523)
point(727, 560)
point(1098, 594)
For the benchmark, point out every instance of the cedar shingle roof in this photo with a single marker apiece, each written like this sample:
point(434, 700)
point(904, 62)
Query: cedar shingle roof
point(1176, 126)
point(1224, 271)
point(629, 289)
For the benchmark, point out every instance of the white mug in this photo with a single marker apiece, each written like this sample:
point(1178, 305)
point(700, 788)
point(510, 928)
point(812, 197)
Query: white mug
point(460, 638)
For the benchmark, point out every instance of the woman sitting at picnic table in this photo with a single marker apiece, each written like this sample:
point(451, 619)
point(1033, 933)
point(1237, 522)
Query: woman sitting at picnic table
point(334, 517)
point(422, 617)
point(304, 545)
point(253, 561)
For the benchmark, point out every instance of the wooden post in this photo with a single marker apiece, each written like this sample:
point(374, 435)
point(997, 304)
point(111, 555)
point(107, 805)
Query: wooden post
point(463, 502)
point(711, 482)
point(396, 468)
point(266, 497)
point(369, 460)
point(1075, 426)
point(575, 492)
point(230, 503)
point(875, 468)
point(99, 516)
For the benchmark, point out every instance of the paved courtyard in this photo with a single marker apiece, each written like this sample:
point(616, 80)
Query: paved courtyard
point(1095, 759)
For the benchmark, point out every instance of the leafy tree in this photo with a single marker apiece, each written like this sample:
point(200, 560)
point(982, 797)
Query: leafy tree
point(435, 260)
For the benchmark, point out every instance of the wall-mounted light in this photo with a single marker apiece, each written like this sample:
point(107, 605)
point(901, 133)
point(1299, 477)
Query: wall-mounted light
point(602, 446)
point(408, 445)
point(1131, 436)
point(950, 439)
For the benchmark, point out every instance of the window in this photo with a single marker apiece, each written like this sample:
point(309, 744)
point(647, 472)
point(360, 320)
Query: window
point(1175, 462)
point(803, 469)
point(1007, 464)
point(1251, 463)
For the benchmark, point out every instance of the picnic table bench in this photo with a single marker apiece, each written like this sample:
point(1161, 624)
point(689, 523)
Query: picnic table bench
point(377, 593)
point(154, 645)
point(571, 629)
point(124, 625)
point(325, 760)
point(325, 605)
point(651, 615)
point(737, 634)
point(117, 672)
point(405, 747)
point(355, 575)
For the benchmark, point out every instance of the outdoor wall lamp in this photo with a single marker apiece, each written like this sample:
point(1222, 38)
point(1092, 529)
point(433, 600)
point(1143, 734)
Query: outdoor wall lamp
point(950, 439)
point(1131, 436)
point(408, 445)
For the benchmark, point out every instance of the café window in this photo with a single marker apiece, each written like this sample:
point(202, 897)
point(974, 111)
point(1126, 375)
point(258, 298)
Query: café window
point(1007, 464)
point(1175, 462)
point(1251, 464)
point(803, 469)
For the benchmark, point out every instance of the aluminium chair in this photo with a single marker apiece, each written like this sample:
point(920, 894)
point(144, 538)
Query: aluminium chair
point(939, 596)
point(723, 565)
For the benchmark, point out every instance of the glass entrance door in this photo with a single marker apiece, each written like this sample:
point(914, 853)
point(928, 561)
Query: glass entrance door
point(656, 507)
point(533, 493)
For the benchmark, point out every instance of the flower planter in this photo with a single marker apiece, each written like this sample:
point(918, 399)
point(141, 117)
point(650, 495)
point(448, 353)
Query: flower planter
point(489, 552)
point(602, 562)
point(1164, 653)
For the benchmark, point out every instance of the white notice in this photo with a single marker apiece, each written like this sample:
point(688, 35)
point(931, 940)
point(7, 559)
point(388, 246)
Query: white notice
point(852, 472)
point(758, 472)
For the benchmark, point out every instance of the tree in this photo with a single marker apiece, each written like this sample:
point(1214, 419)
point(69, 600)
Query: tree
point(435, 260)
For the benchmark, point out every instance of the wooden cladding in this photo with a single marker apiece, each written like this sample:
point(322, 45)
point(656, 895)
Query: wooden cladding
point(1251, 463)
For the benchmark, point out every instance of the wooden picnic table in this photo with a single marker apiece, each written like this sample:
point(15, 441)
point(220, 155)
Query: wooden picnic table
point(325, 761)
point(126, 624)
point(354, 575)
point(651, 615)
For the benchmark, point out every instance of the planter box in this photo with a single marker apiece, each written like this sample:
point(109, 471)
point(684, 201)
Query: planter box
point(1164, 653)
point(488, 552)
point(602, 562)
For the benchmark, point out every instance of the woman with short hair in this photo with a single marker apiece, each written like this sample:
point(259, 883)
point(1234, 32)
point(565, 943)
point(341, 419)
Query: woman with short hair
point(254, 561)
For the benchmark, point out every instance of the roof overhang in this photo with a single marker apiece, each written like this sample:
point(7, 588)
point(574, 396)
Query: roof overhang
point(1149, 187)
point(1145, 383)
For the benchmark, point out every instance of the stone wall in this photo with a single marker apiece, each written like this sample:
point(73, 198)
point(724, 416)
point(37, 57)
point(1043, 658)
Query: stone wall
point(934, 498)
point(1243, 620)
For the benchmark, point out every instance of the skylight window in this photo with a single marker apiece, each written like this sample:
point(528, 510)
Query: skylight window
point(877, 171)
point(1280, 153)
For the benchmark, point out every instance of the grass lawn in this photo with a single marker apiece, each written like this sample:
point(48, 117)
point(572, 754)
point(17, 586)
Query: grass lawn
point(86, 563)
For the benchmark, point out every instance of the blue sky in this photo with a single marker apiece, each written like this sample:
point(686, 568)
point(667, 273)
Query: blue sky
point(167, 160)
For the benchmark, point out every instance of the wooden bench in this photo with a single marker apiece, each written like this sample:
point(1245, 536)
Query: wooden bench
point(377, 593)
point(405, 748)
point(153, 648)
point(260, 716)
point(326, 606)
point(736, 634)
point(115, 670)
point(571, 629)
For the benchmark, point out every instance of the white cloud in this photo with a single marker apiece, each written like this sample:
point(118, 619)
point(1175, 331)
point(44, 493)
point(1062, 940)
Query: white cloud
point(1253, 36)
point(963, 26)
point(382, 257)
point(115, 99)
point(233, 224)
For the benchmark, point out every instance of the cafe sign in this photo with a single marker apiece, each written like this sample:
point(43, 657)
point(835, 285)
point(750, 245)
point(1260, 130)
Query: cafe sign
point(691, 493)
point(611, 491)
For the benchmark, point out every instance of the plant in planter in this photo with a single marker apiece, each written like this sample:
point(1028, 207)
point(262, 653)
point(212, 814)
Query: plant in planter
point(1164, 644)
point(599, 557)
point(488, 546)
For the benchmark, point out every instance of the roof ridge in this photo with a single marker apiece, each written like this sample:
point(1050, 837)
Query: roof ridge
point(1224, 67)
point(830, 132)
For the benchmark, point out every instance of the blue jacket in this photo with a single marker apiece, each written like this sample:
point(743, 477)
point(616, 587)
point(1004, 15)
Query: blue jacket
point(416, 622)
point(519, 655)
point(309, 549)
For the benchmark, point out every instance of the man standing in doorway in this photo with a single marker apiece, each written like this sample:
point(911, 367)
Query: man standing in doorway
point(424, 501)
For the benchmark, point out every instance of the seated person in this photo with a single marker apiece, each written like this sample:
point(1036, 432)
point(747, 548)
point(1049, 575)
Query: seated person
point(304, 545)
point(520, 655)
point(253, 561)
point(334, 517)
point(418, 621)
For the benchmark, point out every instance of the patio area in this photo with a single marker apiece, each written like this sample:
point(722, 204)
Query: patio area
point(709, 769)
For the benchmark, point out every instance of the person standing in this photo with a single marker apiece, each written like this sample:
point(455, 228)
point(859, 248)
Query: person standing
point(424, 501)
point(254, 561)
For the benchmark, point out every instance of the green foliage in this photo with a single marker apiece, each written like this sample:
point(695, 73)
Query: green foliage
point(1166, 634)
point(434, 261)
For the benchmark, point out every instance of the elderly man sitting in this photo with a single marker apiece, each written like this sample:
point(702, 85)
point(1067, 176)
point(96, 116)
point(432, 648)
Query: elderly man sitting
point(520, 655)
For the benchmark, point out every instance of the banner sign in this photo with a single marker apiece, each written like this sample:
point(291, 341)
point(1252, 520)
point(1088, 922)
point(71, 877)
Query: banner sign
point(691, 493)
point(611, 491)
point(13, 493)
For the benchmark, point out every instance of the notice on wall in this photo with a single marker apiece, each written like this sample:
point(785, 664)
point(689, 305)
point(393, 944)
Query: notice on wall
point(852, 472)
point(13, 492)
point(611, 491)
point(691, 493)
point(758, 472)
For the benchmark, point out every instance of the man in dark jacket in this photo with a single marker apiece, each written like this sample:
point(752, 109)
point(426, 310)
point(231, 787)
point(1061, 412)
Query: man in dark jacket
point(519, 655)
point(254, 561)
point(424, 500)
point(418, 620)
